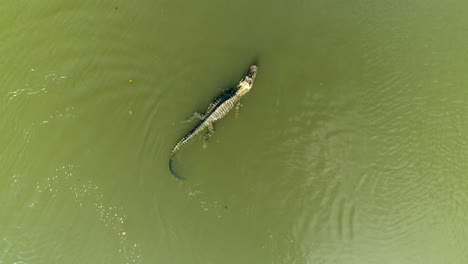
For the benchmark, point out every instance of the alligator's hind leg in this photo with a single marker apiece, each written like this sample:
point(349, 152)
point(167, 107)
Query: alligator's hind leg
point(208, 134)
point(195, 116)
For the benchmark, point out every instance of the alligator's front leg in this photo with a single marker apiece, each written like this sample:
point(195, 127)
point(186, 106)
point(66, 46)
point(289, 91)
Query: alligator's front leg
point(208, 134)
point(195, 116)
point(238, 105)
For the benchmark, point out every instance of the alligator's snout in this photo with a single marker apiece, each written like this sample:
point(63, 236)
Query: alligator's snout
point(252, 71)
point(250, 76)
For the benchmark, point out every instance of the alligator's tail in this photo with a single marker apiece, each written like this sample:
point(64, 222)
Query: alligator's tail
point(171, 168)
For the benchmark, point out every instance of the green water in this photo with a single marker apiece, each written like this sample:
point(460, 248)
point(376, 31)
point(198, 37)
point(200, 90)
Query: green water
point(352, 146)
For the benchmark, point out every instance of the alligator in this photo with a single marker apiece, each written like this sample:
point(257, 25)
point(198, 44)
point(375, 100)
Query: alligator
point(216, 110)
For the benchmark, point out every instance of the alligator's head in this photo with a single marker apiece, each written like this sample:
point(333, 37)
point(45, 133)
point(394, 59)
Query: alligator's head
point(247, 82)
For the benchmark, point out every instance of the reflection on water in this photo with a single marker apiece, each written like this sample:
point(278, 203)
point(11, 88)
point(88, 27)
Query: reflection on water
point(87, 194)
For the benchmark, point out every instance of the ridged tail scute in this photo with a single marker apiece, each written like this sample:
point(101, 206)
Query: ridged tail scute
point(171, 168)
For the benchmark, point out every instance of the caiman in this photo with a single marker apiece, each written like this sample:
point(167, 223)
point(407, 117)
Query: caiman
point(216, 110)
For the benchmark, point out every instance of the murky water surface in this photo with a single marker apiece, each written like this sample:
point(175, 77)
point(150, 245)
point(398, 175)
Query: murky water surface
point(352, 146)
